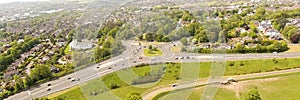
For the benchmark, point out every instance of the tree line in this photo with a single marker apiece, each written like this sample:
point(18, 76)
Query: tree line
point(15, 52)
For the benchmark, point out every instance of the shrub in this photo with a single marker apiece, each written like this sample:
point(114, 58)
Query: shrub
point(242, 64)
point(114, 86)
point(231, 64)
point(147, 79)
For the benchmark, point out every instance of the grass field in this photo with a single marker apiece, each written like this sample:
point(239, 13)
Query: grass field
point(285, 87)
point(176, 49)
point(152, 53)
point(69, 94)
point(179, 72)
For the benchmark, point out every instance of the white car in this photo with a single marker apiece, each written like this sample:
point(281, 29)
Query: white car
point(73, 79)
point(176, 58)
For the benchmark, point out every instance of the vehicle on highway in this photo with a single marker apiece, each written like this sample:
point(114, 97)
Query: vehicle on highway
point(109, 67)
point(228, 81)
point(73, 79)
point(176, 58)
point(153, 58)
point(181, 57)
point(49, 84)
point(48, 89)
point(231, 80)
point(174, 85)
point(140, 57)
point(187, 57)
point(98, 67)
point(134, 61)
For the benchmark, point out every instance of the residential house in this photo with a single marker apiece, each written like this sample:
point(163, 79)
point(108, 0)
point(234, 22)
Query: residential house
point(20, 40)
point(10, 72)
point(81, 45)
point(264, 25)
point(54, 69)
point(272, 32)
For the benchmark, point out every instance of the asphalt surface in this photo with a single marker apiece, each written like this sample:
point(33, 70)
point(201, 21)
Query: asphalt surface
point(130, 58)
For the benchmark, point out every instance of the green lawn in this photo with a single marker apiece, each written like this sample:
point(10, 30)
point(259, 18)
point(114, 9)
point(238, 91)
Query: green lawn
point(152, 53)
point(285, 87)
point(177, 72)
point(69, 94)
point(195, 94)
point(176, 49)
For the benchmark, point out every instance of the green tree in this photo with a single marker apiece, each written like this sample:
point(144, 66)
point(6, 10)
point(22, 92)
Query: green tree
point(253, 95)
point(134, 96)
point(18, 83)
point(149, 37)
point(260, 11)
point(280, 23)
point(150, 47)
point(27, 82)
point(184, 41)
point(40, 72)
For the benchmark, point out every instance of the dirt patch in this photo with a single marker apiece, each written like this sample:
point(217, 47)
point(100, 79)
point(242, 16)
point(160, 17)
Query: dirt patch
point(241, 86)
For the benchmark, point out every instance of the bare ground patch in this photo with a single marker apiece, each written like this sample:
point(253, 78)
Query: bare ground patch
point(239, 87)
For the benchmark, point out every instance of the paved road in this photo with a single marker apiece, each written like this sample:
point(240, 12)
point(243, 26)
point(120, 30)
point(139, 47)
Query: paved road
point(152, 94)
point(125, 60)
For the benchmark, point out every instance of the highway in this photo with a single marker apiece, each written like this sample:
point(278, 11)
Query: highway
point(128, 59)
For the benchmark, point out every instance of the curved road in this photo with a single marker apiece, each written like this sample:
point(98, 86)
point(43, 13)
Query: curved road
point(126, 60)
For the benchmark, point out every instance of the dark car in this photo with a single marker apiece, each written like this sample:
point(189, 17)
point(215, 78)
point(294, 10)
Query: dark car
point(48, 89)
point(188, 57)
point(174, 85)
point(49, 84)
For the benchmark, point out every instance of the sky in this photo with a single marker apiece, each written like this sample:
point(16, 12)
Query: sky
point(8, 1)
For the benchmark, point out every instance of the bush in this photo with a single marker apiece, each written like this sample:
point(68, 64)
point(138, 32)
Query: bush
point(134, 96)
point(242, 64)
point(231, 64)
point(253, 95)
point(147, 79)
point(275, 61)
point(114, 86)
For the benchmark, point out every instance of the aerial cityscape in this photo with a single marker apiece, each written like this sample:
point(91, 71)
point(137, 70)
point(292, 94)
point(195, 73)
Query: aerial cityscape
point(149, 49)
